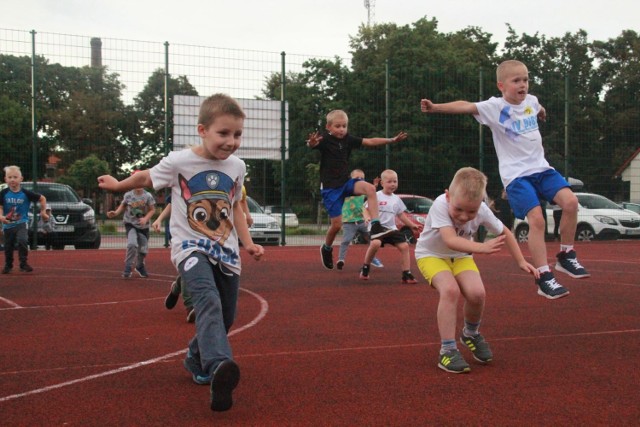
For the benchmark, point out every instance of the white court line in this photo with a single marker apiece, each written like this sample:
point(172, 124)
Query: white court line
point(9, 302)
point(264, 308)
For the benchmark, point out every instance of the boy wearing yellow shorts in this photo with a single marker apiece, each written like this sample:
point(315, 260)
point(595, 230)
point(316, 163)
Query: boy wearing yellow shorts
point(444, 257)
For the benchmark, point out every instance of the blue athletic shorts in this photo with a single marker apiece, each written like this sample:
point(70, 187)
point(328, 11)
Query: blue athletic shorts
point(333, 198)
point(525, 193)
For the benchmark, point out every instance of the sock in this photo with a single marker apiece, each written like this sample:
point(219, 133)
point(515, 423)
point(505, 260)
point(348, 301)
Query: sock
point(543, 269)
point(566, 248)
point(327, 248)
point(447, 345)
point(470, 329)
point(374, 220)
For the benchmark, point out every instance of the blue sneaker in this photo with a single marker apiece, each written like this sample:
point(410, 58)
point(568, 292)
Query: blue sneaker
point(377, 263)
point(192, 364)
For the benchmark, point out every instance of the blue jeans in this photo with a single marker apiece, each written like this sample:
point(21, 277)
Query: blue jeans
point(137, 247)
point(214, 293)
point(16, 236)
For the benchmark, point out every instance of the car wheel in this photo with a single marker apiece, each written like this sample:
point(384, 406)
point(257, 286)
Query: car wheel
point(522, 233)
point(584, 233)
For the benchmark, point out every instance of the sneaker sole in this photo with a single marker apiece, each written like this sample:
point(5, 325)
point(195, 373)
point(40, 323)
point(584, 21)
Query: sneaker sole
point(561, 269)
point(384, 233)
point(328, 267)
point(225, 380)
point(444, 368)
point(409, 282)
point(144, 276)
point(552, 296)
point(340, 265)
point(172, 299)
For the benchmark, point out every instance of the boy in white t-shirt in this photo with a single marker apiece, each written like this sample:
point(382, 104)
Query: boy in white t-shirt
point(206, 223)
point(444, 256)
point(390, 206)
point(526, 174)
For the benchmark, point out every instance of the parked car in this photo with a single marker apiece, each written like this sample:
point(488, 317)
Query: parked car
point(290, 217)
point(74, 220)
point(598, 218)
point(635, 207)
point(265, 229)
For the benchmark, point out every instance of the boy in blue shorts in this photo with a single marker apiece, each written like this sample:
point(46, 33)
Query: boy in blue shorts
point(335, 145)
point(526, 174)
point(444, 256)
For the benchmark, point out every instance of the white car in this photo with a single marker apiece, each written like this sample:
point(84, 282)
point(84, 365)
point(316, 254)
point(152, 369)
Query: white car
point(265, 229)
point(290, 218)
point(598, 218)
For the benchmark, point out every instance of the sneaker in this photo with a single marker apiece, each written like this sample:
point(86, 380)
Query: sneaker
point(127, 272)
point(479, 347)
point(340, 264)
point(327, 257)
point(174, 293)
point(568, 263)
point(192, 364)
point(377, 263)
point(191, 315)
point(225, 379)
point(364, 272)
point(142, 272)
point(549, 287)
point(377, 230)
point(26, 268)
point(452, 361)
point(7, 269)
point(407, 278)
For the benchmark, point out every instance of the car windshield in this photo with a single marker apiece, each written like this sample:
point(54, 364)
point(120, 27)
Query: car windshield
point(594, 201)
point(419, 205)
point(254, 207)
point(55, 193)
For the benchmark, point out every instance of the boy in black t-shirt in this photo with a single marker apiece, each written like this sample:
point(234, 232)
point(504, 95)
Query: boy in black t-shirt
point(335, 145)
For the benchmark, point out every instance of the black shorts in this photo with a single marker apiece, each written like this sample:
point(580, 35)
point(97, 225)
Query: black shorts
point(392, 238)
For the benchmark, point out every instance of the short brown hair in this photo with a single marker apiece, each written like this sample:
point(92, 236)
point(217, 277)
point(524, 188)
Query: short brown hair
point(218, 105)
point(505, 66)
point(469, 183)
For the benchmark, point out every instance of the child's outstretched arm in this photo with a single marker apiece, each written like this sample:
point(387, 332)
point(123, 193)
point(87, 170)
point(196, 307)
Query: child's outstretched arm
point(460, 244)
point(138, 180)
point(512, 245)
point(372, 142)
point(455, 107)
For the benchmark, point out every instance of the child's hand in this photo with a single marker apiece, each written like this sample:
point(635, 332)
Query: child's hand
point(107, 182)
point(142, 221)
point(426, 106)
point(256, 251)
point(492, 246)
point(156, 226)
point(314, 139)
point(399, 137)
point(111, 214)
point(44, 215)
point(525, 266)
point(542, 114)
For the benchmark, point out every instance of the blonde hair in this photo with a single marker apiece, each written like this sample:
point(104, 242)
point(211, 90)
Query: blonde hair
point(218, 105)
point(12, 168)
point(387, 173)
point(469, 183)
point(357, 171)
point(334, 114)
point(505, 66)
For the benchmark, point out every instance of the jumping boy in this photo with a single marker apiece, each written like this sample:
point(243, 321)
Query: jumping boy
point(335, 145)
point(14, 215)
point(444, 256)
point(390, 206)
point(525, 173)
point(206, 223)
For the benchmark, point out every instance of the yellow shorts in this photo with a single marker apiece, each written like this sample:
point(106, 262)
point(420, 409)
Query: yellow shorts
point(430, 266)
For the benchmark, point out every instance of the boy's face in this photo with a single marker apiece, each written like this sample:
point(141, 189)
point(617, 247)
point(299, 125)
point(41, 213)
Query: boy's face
point(221, 138)
point(338, 127)
point(515, 84)
point(462, 209)
point(389, 184)
point(13, 178)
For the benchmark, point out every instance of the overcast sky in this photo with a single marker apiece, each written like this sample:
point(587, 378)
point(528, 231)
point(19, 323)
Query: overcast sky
point(315, 27)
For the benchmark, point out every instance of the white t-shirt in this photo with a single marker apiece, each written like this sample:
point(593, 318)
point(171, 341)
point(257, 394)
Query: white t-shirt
point(389, 206)
point(516, 136)
point(430, 243)
point(202, 195)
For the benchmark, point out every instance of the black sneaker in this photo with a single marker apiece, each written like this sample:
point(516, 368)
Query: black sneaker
point(7, 269)
point(408, 279)
point(327, 257)
point(568, 263)
point(191, 315)
point(364, 272)
point(377, 230)
point(224, 379)
point(548, 286)
point(340, 264)
point(452, 361)
point(174, 293)
point(26, 268)
point(142, 271)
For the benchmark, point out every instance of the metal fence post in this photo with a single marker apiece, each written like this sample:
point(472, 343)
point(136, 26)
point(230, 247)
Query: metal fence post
point(283, 147)
point(34, 139)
